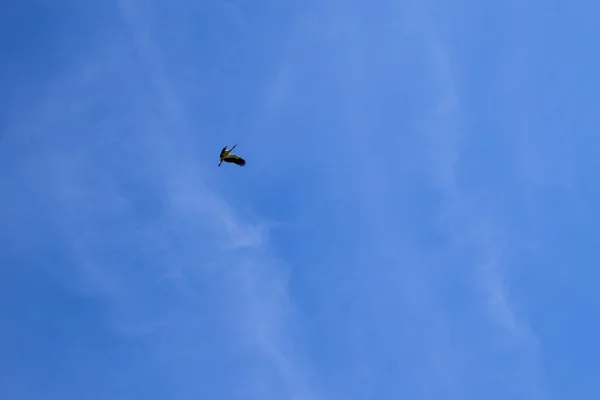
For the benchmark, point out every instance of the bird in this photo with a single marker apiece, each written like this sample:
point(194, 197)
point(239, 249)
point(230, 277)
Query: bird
point(231, 158)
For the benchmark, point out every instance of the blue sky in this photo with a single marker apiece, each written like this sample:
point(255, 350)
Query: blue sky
point(417, 218)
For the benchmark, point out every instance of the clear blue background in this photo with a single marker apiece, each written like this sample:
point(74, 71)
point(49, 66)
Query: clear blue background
point(417, 218)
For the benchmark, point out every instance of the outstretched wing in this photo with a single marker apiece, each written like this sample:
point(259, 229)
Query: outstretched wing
point(232, 158)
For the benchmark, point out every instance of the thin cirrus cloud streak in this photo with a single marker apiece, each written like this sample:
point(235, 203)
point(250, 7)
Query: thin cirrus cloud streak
point(441, 150)
point(483, 236)
point(261, 289)
point(487, 237)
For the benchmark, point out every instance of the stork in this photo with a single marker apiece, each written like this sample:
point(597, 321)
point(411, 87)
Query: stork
point(231, 158)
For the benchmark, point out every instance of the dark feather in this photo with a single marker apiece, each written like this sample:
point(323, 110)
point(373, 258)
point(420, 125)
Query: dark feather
point(235, 159)
point(223, 152)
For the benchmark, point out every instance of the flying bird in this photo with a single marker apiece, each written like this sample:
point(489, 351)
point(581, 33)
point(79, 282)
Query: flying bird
point(231, 158)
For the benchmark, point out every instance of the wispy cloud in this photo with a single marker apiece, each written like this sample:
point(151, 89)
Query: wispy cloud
point(473, 222)
point(387, 155)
